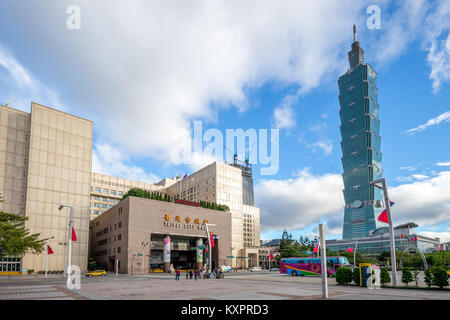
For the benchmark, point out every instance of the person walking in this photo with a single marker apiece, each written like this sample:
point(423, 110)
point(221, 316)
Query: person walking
point(177, 274)
point(187, 274)
point(195, 274)
point(190, 274)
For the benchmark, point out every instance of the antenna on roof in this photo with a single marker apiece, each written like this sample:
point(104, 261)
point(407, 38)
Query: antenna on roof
point(355, 37)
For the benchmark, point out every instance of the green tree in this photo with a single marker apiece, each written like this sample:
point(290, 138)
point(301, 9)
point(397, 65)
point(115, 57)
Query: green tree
point(15, 239)
point(384, 276)
point(356, 276)
point(440, 258)
point(406, 275)
point(428, 277)
point(344, 275)
point(91, 264)
point(440, 278)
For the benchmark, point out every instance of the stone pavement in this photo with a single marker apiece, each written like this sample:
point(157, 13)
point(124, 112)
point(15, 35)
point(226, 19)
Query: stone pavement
point(39, 292)
point(250, 286)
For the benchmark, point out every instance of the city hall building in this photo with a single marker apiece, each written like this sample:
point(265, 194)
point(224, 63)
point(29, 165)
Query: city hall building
point(142, 235)
point(46, 160)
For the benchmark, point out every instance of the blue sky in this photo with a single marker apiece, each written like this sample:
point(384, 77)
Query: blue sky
point(146, 70)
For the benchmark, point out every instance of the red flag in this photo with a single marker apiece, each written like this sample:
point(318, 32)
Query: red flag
point(185, 176)
point(316, 249)
point(349, 250)
point(74, 236)
point(383, 217)
point(270, 255)
point(439, 247)
point(211, 237)
point(49, 250)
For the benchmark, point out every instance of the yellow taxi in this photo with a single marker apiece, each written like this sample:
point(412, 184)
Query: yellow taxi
point(96, 273)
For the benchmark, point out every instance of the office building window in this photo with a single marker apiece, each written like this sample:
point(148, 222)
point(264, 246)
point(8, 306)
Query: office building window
point(120, 193)
point(96, 205)
point(113, 192)
point(105, 191)
point(104, 206)
point(97, 189)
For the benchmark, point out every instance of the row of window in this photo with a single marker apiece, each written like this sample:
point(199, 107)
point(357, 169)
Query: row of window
point(103, 206)
point(107, 191)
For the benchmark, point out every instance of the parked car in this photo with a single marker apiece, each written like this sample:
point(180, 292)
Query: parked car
point(274, 269)
point(225, 268)
point(255, 269)
point(101, 273)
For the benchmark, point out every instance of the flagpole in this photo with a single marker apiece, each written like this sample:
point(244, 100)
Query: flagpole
point(46, 258)
point(46, 255)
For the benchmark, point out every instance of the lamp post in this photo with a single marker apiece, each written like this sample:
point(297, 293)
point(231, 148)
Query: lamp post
point(391, 227)
point(46, 256)
point(69, 258)
point(209, 243)
point(354, 254)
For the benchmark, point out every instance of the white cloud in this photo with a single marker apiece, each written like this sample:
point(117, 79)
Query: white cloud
point(306, 200)
point(444, 117)
point(299, 201)
point(109, 160)
point(443, 164)
point(426, 202)
point(409, 168)
point(324, 145)
point(443, 236)
point(283, 117)
point(419, 176)
point(437, 41)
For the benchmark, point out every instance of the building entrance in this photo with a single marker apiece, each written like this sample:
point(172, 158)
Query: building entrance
point(185, 252)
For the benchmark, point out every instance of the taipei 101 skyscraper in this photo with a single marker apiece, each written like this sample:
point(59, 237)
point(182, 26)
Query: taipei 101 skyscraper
point(361, 156)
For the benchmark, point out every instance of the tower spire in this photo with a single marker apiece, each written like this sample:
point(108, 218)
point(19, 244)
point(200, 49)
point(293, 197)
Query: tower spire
point(356, 55)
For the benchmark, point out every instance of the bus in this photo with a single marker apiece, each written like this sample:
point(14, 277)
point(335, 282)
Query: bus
point(306, 266)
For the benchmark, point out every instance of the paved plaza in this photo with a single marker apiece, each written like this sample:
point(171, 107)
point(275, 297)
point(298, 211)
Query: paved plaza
point(236, 286)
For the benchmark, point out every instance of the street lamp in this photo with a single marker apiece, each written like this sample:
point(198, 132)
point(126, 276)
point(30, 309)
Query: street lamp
point(69, 258)
point(391, 227)
point(46, 256)
point(209, 243)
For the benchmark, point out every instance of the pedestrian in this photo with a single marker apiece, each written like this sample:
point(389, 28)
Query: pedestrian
point(177, 274)
point(195, 274)
point(187, 274)
point(190, 274)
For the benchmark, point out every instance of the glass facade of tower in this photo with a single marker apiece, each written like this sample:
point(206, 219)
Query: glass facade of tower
point(361, 156)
